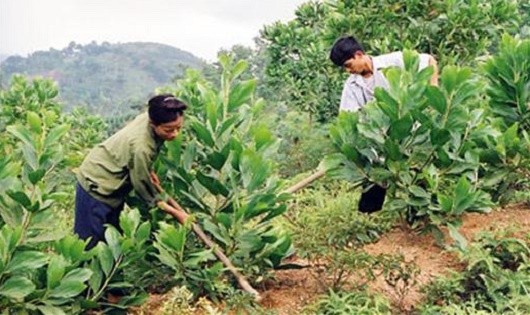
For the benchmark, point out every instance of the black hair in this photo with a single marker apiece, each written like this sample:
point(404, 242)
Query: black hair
point(344, 49)
point(165, 108)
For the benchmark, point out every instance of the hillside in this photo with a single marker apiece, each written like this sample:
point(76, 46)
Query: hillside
point(3, 57)
point(107, 78)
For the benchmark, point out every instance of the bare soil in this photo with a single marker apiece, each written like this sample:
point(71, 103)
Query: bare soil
point(291, 290)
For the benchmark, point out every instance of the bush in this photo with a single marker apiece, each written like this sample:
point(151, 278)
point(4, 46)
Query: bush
point(339, 303)
point(496, 279)
point(454, 31)
point(417, 141)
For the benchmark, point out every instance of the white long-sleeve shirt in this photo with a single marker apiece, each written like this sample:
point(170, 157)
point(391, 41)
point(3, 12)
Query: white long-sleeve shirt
point(358, 91)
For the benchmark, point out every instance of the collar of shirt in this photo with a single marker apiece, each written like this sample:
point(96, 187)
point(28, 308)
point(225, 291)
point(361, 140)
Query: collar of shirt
point(158, 141)
point(358, 80)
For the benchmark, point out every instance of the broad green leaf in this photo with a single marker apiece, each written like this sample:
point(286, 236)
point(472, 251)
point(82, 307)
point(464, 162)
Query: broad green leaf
point(17, 288)
point(30, 157)
point(224, 60)
point(203, 133)
point(143, 232)
point(106, 259)
point(72, 284)
point(36, 176)
point(9, 239)
point(411, 60)
point(351, 152)
point(22, 134)
point(212, 184)
point(425, 74)
point(199, 258)
point(135, 300)
point(275, 212)
point(436, 99)
point(54, 136)
point(72, 248)
point(419, 192)
point(239, 68)
point(224, 219)
point(55, 272)
point(172, 237)
point(26, 261)
point(464, 197)
point(229, 124)
point(439, 136)
point(78, 274)
point(67, 289)
point(387, 103)
point(254, 170)
point(50, 310)
point(401, 128)
point(217, 160)
point(240, 94)
point(20, 197)
point(463, 188)
point(446, 203)
point(248, 242)
point(262, 136)
point(97, 277)
point(112, 236)
point(212, 114)
point(34, 122)
point(129, 222)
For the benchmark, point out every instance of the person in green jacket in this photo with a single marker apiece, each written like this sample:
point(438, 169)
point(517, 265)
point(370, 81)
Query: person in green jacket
point(123, 163)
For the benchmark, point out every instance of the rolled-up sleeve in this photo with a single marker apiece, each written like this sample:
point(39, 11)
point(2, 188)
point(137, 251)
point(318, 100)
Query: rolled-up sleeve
point(139, 173)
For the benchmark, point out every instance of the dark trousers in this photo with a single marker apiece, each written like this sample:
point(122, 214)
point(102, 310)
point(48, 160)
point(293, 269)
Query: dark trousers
point(373, 199)
point(91, 215)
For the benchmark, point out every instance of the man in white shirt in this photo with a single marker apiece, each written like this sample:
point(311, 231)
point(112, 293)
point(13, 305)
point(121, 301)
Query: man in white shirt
point(359, 88)
point(366, 72)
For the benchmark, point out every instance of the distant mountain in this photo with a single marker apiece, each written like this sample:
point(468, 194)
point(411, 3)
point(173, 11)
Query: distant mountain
point(3, 57)
point(109, 79)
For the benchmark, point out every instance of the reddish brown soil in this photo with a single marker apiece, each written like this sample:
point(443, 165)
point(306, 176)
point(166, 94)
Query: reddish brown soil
point(291, 290)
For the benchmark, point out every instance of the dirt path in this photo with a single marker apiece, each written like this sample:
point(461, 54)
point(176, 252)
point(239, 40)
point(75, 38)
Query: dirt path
point(295, 288)
point(291, 290)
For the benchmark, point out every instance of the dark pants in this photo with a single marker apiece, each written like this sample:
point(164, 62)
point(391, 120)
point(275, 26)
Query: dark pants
point(91, 215)
point(372, 200)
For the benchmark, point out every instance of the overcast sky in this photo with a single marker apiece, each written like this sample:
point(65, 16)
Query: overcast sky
point(201, 27)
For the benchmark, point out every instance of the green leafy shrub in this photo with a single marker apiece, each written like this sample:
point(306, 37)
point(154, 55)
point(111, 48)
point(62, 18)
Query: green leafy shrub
point(454, 31)
point(416, 141)
point(496, 279)
point(220, 169)
point(339, 303)
point(33, 279)
point(506, 155)
point(303, 143)
point(43, 268)
point(329, 233)
point(508, 73)
point(86, 131)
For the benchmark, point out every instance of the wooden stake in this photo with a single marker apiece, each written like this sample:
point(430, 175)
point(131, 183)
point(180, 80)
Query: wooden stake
point(178, 212)
point(305, 182)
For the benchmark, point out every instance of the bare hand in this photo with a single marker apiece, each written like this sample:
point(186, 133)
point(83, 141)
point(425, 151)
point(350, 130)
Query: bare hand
point(154, 179)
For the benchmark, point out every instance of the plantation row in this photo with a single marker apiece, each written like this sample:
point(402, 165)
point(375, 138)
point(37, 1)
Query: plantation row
point(439, 151)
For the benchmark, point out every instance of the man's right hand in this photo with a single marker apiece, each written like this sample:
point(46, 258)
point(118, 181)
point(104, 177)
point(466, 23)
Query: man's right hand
point(154, 179)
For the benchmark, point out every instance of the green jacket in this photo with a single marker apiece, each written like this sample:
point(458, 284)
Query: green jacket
point(122, 163)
